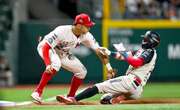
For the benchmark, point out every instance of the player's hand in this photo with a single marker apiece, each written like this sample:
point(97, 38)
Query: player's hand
point(49, 69)
point(104, 51)
point(102, 54)
point(119, 47)
point(111, 73)
point(119, 56)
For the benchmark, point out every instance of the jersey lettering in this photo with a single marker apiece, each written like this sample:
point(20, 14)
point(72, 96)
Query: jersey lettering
point(147, 55)
point(50, 40)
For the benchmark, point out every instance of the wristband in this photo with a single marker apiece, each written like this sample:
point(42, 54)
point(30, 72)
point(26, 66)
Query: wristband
point(108, 66)
point(113, 54)
point(124, 54)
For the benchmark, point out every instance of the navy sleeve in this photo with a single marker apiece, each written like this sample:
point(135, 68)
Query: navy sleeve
point(147, 55)
point(134, 52)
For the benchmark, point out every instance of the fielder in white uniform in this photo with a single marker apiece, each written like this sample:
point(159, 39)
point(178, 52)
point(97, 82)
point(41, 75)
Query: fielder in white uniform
point(55, 48)
point(130, 86)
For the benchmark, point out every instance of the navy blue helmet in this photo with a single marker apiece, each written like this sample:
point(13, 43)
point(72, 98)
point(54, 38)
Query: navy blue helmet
point(150, 40)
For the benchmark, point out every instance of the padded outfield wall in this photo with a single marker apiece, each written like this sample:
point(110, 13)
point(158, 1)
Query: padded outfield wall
point(30, 64)
point(129, 33)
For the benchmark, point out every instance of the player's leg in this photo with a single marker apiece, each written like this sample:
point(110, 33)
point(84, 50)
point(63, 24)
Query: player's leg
point(88, 92)
point(104, 87)
point(137, 93)
point(71, 63)
point(96, 89)
point(114, 88)
point(134, 91)
point(46, 76)
point(108, 86)
point(123, 98)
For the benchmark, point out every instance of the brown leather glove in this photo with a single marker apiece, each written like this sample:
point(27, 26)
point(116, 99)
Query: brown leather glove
point(111, 73)
point(102, 55)
point(103, 52)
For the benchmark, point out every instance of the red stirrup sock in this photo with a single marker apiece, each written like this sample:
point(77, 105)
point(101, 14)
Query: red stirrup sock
point(75, 83)
point(44, 80)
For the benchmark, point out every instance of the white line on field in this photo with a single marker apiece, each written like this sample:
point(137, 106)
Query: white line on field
point(24, 103)
point(4, 103)
point(9, 103)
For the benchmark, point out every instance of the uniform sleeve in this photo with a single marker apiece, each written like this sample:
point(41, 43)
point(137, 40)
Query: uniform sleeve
point(147, 56)
point(45, 52)
point(89, 41)
point(133, 60)
point(144, 58)
point(53, 38)
point(133, 52)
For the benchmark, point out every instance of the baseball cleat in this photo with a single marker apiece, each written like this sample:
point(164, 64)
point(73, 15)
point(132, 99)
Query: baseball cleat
point(106, 98)
point(117, 100)
point(66, 100)
point(36, 97)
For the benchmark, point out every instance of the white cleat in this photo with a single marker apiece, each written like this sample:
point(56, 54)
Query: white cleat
point(36, 97)
point(66, 100)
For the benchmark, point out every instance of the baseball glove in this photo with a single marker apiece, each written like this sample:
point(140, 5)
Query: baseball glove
point(111, 73)
point(103, 55)
point(104, 52)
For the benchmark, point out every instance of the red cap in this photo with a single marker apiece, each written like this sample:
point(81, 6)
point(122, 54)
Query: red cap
point(83, 19)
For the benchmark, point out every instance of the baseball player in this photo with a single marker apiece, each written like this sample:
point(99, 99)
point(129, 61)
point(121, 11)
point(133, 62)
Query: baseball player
point(130, 86)
point(55, 48)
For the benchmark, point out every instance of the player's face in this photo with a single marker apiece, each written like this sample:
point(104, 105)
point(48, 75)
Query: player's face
point(84, 29)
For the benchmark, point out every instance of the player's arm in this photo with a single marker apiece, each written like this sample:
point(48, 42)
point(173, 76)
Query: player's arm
point(45, 52)
point(136, 62)
point(116, 55)
point(104, 54)
point(48, 45)
point(46, 57)
point(103, 57)
point(132, 60)
point(90, 42)
point(127, 56)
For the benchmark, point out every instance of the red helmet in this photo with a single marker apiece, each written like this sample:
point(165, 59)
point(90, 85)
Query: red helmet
point(83, 19)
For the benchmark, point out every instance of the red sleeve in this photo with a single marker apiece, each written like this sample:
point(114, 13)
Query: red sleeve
point(45, 52)
point(135, 62)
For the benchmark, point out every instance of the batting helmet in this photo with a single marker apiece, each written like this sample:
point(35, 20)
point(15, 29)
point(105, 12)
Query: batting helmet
point(83, 19)
point(150, 40)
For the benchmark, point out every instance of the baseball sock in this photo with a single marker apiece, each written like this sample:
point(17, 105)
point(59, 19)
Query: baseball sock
point(43, 82)
point(89, 92)
point(75, 83)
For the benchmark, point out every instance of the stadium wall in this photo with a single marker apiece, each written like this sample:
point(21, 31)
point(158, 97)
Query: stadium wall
point(30, 65)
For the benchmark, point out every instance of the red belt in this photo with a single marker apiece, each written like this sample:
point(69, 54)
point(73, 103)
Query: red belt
point(137, 81)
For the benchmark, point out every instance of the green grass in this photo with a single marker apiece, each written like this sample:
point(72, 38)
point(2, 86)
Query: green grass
point(162, 90)
point(105, 107)
point(151, 90)
point(24, 94)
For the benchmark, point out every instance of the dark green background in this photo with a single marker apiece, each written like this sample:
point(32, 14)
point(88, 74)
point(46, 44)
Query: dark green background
point(30, 65)
point(165, 69)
